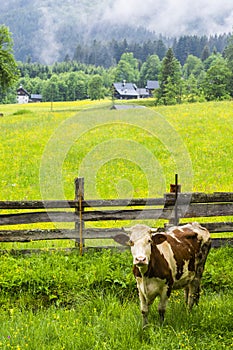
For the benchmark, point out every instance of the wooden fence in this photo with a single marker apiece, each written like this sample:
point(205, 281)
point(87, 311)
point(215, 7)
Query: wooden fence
point(172, 207)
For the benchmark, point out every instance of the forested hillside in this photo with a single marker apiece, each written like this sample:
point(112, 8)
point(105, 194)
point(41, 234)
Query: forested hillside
point(98, 32)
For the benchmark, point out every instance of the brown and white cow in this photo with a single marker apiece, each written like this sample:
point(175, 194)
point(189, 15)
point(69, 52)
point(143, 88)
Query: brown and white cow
point(166, 261)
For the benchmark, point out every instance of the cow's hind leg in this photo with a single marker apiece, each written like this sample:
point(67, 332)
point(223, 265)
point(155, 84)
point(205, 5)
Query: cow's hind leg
point(195, 285)
point(186, 295)
point(194, 293)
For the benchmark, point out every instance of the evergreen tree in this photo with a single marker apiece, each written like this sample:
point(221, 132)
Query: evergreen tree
point(170, 81)
point(228, 54)
point(161, 49)
point(205, 53)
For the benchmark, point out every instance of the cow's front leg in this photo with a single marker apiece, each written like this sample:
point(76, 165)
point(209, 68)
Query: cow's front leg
point(162, 304)
point(144, 307)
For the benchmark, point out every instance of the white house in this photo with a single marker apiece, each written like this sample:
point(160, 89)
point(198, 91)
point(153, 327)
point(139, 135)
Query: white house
point(22, 95)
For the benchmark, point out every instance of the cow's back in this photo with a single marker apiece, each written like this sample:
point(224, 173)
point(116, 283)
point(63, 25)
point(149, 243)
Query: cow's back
point(183, 252)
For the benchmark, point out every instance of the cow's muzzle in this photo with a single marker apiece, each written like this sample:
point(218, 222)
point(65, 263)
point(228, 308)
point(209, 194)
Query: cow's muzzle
point(140, 261)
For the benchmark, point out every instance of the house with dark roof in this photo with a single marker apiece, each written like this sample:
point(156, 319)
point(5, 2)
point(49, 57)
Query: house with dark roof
point(151, 86)
point(22, 95)
point(35, 98)
point(125, 90)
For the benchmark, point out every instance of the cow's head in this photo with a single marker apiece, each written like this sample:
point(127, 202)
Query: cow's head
point(141, 239)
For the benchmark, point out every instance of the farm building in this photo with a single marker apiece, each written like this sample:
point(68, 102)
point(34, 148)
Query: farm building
point(35, 98)
point(151, 86)
point(23, 96)
point(127, 91)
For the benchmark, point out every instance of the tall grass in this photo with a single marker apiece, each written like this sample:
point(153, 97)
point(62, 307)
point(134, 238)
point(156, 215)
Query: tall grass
point(63, 301)
point(205, 130)
point(59, 301)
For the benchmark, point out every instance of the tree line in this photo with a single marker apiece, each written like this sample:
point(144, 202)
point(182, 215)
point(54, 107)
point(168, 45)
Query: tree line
point(188, 71)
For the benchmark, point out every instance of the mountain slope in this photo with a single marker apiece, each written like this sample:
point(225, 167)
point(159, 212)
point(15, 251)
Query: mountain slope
point(47, 30)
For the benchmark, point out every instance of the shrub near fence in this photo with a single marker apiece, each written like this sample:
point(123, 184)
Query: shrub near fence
point(171, 208)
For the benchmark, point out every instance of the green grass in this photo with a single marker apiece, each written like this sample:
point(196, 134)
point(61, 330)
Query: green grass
point(202, 131)
point(64, 301)
point(59, 301)
point(131, 153)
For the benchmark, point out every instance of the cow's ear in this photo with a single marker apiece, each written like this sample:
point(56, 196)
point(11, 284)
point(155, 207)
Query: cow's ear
point(158, 238)
point(153, 230)
point(122, 239)
point(127, 230)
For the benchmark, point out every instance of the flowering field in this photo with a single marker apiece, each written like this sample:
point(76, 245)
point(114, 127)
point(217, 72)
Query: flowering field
point(60, 301)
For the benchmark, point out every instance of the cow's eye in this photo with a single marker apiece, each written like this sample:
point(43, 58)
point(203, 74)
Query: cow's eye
point(131, 243)
point(150, 240)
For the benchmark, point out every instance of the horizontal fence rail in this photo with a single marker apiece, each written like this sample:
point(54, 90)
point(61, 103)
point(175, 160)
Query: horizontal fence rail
point(172, 206)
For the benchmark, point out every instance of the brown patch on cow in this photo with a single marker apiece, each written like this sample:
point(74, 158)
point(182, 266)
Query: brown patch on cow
point(158, 267)
point(186, 250)
point(184, 233)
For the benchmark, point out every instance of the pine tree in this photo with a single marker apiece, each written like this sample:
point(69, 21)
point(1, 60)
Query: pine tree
point(170, 81)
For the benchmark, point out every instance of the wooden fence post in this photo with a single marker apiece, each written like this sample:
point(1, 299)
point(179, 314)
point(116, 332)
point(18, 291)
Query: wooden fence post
point(175, 188)
point(79, 223)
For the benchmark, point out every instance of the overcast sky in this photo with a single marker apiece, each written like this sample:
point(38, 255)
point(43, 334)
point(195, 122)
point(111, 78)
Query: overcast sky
point(171, 18)
point(174, 17)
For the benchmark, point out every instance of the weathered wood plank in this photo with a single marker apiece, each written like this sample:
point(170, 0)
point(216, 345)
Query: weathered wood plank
point(198, 197)
point(221, 242)
point(95, 203)
point(218, 227)
point(135, 214)
point(205, 210)
point(36, 217)
point(192, 211)
point(36, 235)
point(169, 199)
point(53, 204)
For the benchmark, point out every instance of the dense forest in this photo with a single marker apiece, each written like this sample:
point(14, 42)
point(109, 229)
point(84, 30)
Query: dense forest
point(192, 69)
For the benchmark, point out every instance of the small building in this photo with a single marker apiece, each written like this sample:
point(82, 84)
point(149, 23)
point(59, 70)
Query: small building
point(143, 93)
point(125, 90)
point(25, 97)
point(151, 86)
point(22, 95)
point(35, 98)
point(120, 107)
point(129, 90)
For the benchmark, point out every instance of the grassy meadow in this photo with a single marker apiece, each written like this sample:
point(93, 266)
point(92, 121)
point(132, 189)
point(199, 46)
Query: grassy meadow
point(58, 300)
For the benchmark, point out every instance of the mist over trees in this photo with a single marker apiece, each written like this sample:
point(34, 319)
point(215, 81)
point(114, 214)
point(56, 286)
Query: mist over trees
point(191, 69)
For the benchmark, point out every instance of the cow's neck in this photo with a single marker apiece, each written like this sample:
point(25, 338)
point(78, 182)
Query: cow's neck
point(158, 266)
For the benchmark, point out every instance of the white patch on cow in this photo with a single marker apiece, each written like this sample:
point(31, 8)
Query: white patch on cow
point(166, 250)
point(172, 234)
point(151, 287)
point(202, 233)
point(140, 245)
point(186, 277)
